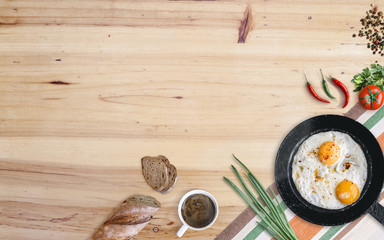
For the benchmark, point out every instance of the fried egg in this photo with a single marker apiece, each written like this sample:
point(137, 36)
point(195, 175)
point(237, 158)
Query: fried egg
point(329, 170)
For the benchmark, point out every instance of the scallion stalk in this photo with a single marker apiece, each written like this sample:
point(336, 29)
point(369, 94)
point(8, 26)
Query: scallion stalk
point(272, 215)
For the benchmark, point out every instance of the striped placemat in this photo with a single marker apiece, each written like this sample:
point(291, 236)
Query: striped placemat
point(366, 227)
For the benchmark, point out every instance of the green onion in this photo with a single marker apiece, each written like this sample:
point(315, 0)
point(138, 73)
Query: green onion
point(272, 215)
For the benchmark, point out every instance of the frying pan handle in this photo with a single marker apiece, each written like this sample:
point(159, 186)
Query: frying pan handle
point(377, 211)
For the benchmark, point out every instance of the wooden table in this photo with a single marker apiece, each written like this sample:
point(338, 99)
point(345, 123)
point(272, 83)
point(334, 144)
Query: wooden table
point(87, 88)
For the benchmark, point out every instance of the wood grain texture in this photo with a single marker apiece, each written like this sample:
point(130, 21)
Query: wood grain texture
point(89, 87)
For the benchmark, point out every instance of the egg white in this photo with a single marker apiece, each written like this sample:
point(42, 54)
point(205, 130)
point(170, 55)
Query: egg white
point(315, 181)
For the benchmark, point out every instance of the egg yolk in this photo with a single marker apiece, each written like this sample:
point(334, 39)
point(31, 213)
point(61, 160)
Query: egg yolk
point(347, 192)
point(329, 153)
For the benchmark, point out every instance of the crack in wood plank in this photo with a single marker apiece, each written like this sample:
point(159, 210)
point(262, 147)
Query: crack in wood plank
point(59, 83)
point(123, 99)
point(63, 219)
point(246, 25)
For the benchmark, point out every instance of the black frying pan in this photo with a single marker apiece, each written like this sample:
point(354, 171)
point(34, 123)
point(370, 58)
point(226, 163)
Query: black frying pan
point(367, 201)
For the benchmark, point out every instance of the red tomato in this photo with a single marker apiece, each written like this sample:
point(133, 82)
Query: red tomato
point(371, 97)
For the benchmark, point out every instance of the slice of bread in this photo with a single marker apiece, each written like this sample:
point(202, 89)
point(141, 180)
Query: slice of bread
point(172, 174)
point(155, 172)
point(143, 200)
point(172, 179)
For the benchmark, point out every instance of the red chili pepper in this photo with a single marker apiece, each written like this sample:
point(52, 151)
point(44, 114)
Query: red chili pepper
point(314, 93)
point(344, 88)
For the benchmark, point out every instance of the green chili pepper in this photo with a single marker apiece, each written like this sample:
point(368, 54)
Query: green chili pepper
point(325, 86)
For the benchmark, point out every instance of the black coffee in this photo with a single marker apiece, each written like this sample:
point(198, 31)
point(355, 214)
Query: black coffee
point(198, 210)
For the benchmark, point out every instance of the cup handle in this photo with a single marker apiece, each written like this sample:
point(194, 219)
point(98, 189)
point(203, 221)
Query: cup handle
point(182, 230)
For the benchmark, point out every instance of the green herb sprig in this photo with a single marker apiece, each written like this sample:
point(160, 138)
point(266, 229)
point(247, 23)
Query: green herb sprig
point(375, 76)
point(272, 214)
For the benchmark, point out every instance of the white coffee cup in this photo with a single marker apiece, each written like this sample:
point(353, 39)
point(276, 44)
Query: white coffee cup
point(186, 225)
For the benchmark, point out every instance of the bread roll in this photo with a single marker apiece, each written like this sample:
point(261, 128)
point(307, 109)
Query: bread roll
point(128, 219)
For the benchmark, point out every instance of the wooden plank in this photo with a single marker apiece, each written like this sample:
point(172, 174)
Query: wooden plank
point(87, 88)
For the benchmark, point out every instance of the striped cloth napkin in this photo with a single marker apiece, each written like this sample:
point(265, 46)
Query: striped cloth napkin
point(366, 227)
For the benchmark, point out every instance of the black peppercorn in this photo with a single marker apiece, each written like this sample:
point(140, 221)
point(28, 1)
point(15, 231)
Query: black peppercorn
point(373, 30)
